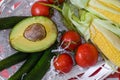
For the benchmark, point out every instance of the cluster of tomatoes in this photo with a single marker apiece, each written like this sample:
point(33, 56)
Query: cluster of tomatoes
point(40, 9)
point(85, 54)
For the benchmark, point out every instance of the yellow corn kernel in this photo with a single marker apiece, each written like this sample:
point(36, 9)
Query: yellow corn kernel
point(104, 44)
point(110, 4)
point(105, 9)
point(111, 16)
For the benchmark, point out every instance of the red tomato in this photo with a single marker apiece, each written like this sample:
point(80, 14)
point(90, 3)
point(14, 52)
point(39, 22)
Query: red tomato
point(63, 63)
point(86, 55)
point(54, 1)
point(38, 9)
point(71, 39)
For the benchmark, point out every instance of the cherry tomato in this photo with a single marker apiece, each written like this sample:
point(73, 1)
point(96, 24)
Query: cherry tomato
point(86, 55)
point(38, 9)
point(54, 1)
point(63, 63)
point(71, 40)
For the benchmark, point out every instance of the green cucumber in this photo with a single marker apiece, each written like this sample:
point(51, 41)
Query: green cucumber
point(9, 22)
point(41, 67)
point(13, 59)
point(26, 67)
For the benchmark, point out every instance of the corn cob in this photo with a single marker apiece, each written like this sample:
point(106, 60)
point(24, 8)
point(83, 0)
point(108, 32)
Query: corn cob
point(106, 41)
point(107, 9)
point(101, 32)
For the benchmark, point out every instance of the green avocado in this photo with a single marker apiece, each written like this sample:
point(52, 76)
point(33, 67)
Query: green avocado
point(33, 34)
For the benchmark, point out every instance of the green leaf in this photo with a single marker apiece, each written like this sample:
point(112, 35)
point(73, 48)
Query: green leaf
point(109, 26)
point(65, 12)
point(80, 3)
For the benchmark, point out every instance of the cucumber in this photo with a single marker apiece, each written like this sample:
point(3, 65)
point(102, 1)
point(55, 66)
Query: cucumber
point(13, 59)
point(26, 67)
point(9, 22)
point(41, 67)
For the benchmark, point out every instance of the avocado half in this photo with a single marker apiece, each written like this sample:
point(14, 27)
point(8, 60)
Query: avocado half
point(33, 34)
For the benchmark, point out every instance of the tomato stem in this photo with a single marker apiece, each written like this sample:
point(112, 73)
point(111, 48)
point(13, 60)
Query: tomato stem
point(60, 49)
point(53, 6)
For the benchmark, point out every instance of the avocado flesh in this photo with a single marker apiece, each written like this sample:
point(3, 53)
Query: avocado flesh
point(20, 43)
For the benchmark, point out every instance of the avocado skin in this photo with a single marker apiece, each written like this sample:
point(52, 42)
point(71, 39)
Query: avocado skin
point(20, 43)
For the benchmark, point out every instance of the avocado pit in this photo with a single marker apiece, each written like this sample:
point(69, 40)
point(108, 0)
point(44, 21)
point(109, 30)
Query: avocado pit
point(35, 32)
